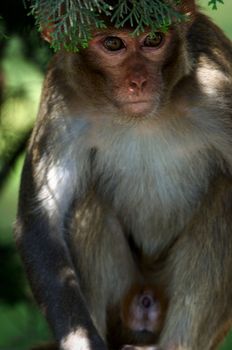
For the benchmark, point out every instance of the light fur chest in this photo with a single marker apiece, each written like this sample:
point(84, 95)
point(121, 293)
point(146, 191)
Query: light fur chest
point(153, 180)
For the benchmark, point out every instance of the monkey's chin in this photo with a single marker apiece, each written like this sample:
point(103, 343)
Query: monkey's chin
point(137, 109)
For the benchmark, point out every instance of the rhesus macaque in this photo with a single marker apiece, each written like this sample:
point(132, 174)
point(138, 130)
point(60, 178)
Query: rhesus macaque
point(142, 314)
point(128, 177)
point(143, 309)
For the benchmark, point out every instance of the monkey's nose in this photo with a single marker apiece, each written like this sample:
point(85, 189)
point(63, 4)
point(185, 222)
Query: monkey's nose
point(137, 84)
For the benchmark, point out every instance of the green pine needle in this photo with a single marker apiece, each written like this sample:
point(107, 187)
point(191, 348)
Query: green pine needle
point(72, 27)
point(214, 3)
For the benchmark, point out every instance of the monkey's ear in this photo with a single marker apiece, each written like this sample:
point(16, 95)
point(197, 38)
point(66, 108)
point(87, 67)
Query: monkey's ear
point(46, 33)
point(188, 7)
point(47, 29)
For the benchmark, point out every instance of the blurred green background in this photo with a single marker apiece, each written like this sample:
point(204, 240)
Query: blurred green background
point(23, 60)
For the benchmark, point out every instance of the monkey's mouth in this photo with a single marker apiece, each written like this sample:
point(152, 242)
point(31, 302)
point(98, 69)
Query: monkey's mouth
point(138, 107)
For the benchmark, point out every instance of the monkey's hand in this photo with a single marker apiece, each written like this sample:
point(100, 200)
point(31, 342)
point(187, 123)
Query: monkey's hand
point(81, 341)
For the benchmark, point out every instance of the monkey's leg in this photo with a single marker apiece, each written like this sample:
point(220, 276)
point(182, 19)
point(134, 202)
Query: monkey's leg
point(103, 260)
point(200, 268)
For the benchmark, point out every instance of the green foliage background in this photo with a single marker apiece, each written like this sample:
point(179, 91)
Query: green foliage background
point(21, 324)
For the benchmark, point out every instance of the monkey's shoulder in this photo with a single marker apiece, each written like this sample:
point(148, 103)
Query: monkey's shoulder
point(208, 44)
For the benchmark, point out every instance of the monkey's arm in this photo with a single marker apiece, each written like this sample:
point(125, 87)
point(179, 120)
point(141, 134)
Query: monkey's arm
point(200, 307)
point(49, 181)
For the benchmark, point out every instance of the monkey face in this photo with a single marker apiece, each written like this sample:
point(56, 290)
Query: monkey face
point(132, 72)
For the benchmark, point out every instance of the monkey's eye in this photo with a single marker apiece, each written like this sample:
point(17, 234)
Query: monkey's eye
point(113, 43)
point(154, 41)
